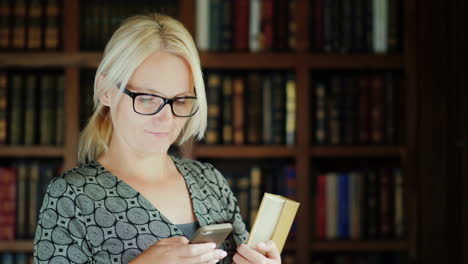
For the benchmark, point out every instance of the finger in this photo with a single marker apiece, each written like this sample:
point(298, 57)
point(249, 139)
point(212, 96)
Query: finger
point(250, 254)
point(239, 259)
point(192, 250)
point(270, 249)
point(214, 255)
point(174, 240)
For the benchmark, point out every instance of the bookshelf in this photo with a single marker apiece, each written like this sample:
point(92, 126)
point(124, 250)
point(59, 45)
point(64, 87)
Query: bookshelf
point(305, 154)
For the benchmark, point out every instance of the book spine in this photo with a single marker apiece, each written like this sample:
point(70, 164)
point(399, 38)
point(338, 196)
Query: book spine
point(30, 123)
point(7, 203)
point(389, 109)
point(242, 25)
point(52, 34)
point(281, 25)
point(380, 26)
point(60, 117)
point(255, 108)
point(321, 207)
point(320, 112)
point(35, 25)
point(393, 26)
point(290, 109)
point(292, 25)
point(19, 25)
point(356, 202)
point(377, 111)
point(331, 206)
point(385, 228)
point(6, 13)
point(21, 200)
point(238, 117)
point(215, 25)
point(335, 110)
point(243, 186)
point(278, 109)
point(359, 26)
point(33, 195)
point(343, 206)
point(372, 205)
point(267, 25)
point(347, 26)
point(266, 111)
point(3, 107)
point(46, 108)
point(214, 113)
point(364, 109)
point(318, 25)
point(254, 27)
point(255, 192)
point(17, 110)
point(227, 29)
point(227, 110)
point(399, 205)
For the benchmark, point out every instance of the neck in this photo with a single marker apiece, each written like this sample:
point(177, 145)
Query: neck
point(136, 166)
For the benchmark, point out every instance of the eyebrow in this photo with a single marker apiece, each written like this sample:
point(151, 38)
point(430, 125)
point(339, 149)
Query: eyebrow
point(150, 91)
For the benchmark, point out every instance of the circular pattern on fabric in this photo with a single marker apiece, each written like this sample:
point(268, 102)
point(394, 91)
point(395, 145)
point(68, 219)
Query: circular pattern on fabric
point(115, 204)
point(113, 245)
point(160, 229)
point(49, 218)
point(106, 180)
point(61, 236)
point(125, 190)
point(45, 249)
point(75, 179)
point(125, 230)
point(199, 207)
point(138, 216)
point(130, 254)
point(102, 257)
point(77, 228)
point(95, 235)
point(95, 191)
point(210, 175)
point(144, 241)
point(59, 260)
point(145, 203)
point(57, 188)
point(45, 202)
point(85, 203)
point(87, 171)
point(65, 207)
point(76, 255)
point(104, 218)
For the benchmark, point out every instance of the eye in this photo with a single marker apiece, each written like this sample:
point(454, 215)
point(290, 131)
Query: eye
point(145, 99)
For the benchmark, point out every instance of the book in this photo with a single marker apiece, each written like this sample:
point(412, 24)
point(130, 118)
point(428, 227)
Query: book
point(273, 221)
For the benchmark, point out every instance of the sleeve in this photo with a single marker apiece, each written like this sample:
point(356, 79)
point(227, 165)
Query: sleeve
point(60, 232)
point(229, 201)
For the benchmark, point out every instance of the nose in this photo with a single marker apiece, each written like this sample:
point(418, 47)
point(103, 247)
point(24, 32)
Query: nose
point(164, 114)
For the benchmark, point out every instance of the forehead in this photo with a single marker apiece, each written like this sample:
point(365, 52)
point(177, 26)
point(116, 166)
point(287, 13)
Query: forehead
point(162, 73)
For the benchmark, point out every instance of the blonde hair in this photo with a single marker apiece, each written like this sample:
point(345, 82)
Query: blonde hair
point(136, 39)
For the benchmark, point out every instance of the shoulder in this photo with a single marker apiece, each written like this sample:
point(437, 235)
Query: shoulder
point(202, 171)
point(77, 178)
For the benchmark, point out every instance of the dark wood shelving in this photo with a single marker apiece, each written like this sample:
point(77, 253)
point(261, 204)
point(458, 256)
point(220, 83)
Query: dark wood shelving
point(32, 151)
point(379, 246)
point(216, 60)
point(207, 151)
point(357, 151)
point(23, 246)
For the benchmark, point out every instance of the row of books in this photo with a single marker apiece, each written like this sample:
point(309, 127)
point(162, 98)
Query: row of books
point(32, 108)
point(246, 25)
point(16, 258)
point(249, 181)
point(356, 108)
point(251, 108)
point(30, 25)
point(359, 258)
point(360, 205)
point(22, 188)
point(356, 26)
point(100, 18)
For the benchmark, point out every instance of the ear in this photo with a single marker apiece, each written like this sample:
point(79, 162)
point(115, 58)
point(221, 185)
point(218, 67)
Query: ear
point(104, 97)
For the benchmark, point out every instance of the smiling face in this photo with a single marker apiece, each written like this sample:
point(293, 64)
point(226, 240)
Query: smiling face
point(161, 74)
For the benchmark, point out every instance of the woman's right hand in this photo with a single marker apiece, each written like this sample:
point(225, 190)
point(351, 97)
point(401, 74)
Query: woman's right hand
point(177, 250)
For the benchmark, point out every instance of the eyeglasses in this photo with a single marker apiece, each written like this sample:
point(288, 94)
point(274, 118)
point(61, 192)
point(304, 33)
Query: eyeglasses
point(151, 104)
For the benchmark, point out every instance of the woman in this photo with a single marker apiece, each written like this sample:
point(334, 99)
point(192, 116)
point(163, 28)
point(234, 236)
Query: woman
point(130, 201)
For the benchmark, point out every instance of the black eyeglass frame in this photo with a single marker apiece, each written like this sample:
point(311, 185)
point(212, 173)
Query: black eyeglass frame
point(168, 101)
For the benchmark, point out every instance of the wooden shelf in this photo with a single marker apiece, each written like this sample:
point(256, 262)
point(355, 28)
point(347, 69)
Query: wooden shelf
point(204, 151)
point(216, 60)
point(380, 246)
point(357, 151)
point(24, 246)
point(39, 152)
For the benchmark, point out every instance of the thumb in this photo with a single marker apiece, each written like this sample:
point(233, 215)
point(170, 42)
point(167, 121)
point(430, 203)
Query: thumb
point(174, 240)
point(270, 249)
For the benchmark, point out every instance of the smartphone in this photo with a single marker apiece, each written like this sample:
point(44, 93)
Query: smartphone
point(212, 233)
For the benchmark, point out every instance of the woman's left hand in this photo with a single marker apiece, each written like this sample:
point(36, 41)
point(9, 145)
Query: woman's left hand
point(247, 255)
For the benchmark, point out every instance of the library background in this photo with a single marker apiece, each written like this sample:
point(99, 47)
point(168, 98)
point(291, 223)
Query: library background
point(356, 109)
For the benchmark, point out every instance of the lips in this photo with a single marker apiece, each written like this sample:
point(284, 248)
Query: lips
point(161, 134)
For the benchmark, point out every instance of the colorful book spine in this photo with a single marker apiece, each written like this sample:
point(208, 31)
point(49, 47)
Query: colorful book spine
point(254, 25)
point(214, 111)
point(7, 203)
point(331, 199)
point(238, 118)
point(343, 206)
point(290, 110)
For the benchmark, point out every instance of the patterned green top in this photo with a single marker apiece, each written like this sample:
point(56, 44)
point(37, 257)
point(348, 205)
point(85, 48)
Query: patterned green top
point(90, 216)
